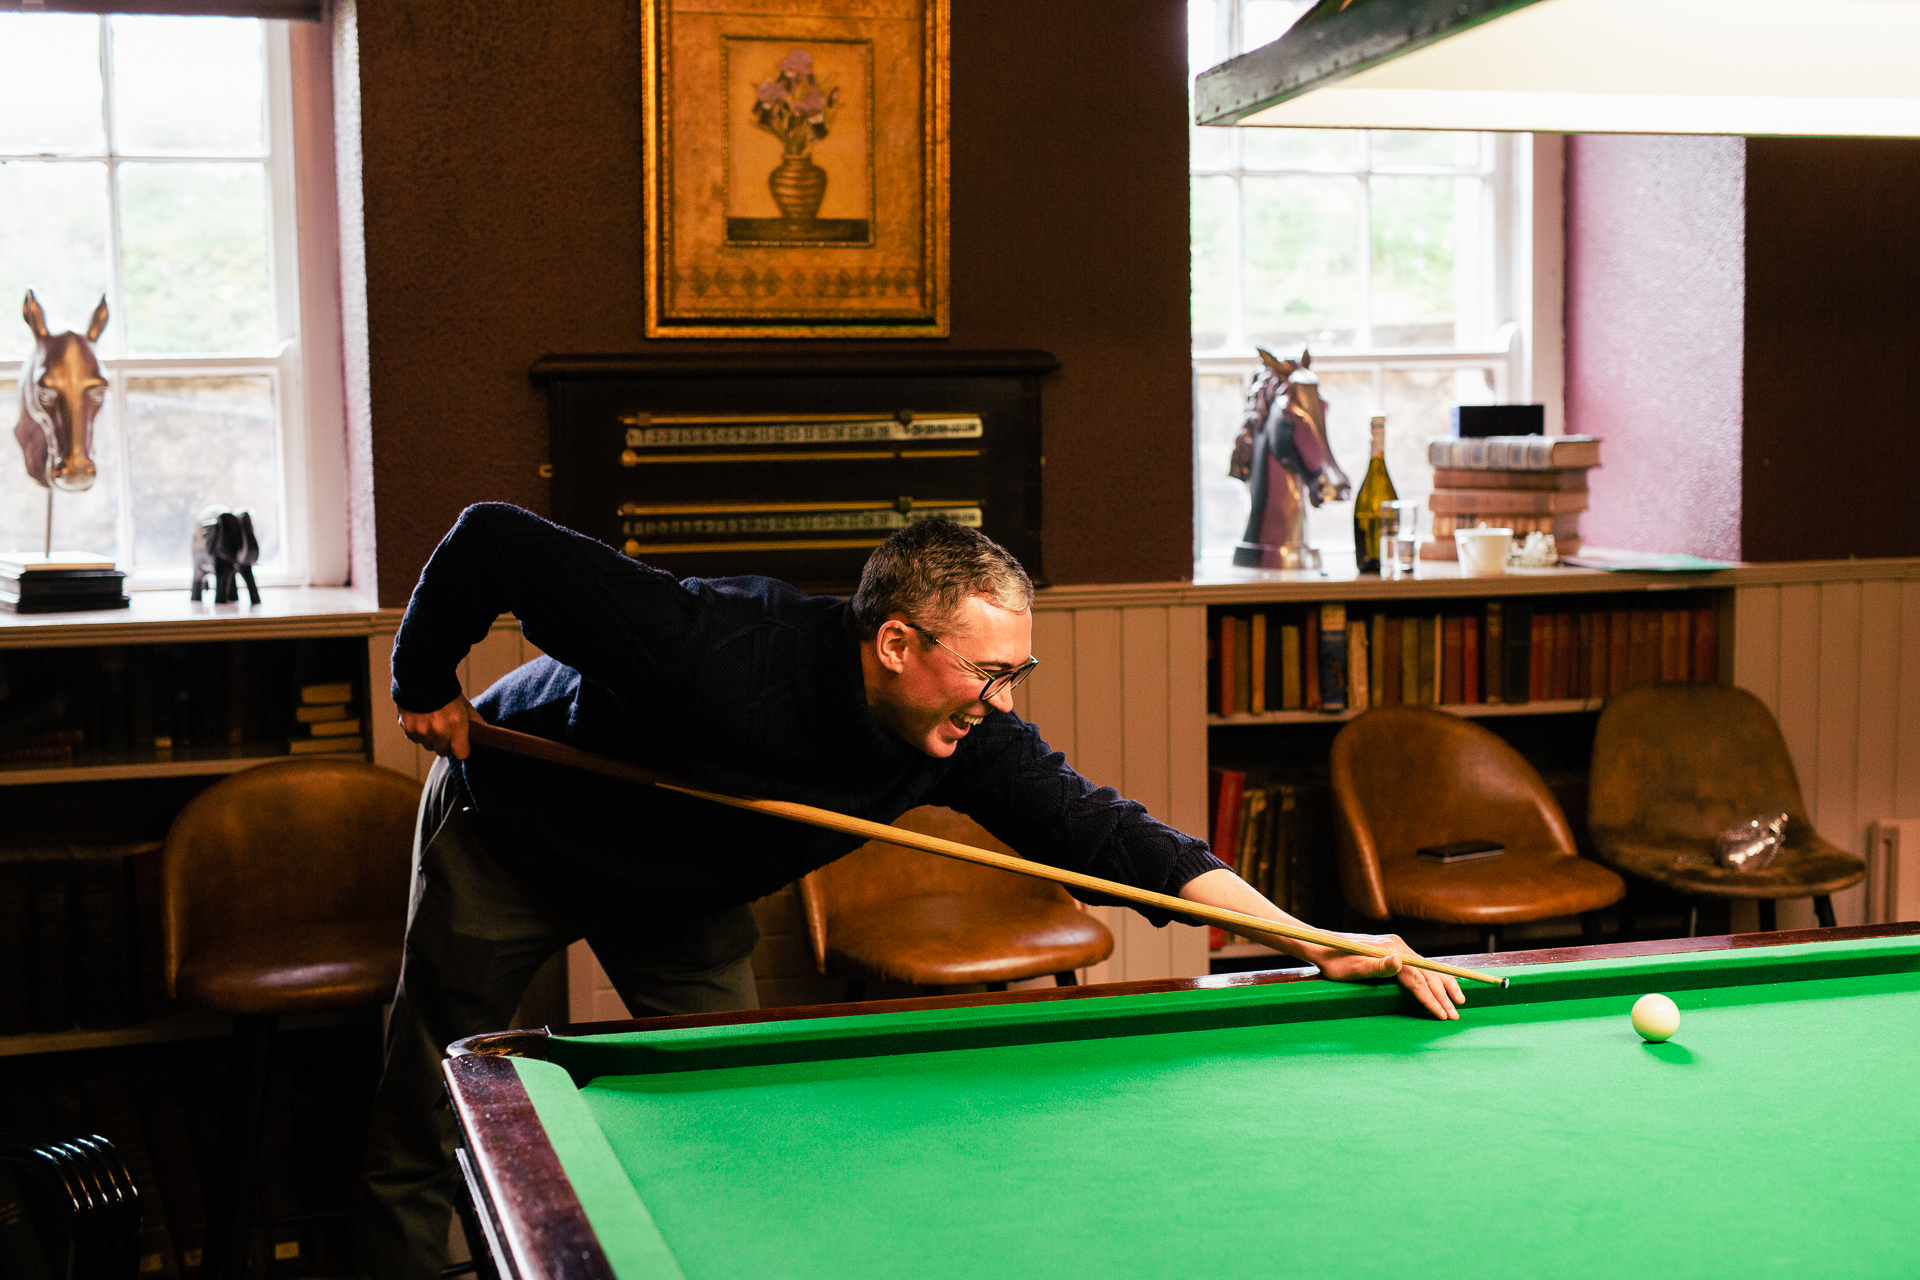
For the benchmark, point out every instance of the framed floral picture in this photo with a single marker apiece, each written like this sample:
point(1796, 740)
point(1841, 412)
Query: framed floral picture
point(796, 168)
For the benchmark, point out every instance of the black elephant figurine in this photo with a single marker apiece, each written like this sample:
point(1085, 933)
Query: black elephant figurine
point(223, 546)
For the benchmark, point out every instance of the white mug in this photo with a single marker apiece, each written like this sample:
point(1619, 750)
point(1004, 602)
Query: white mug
point(1482, 551)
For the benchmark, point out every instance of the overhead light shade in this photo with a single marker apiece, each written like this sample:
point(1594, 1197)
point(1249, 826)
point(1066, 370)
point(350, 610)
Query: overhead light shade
point(1789, 67)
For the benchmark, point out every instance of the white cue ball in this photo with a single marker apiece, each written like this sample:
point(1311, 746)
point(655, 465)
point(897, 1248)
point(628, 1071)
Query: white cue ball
point(1655, 1017)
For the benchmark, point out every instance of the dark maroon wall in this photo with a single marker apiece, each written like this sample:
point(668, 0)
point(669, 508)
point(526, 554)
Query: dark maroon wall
point(1832, 453)
point(501, 161)
point(1654, 288)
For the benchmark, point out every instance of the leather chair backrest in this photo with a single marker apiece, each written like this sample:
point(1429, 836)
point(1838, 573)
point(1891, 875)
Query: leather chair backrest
point(296, 842)
point(1408, 777)
point(877, 873)
point(1687, 761)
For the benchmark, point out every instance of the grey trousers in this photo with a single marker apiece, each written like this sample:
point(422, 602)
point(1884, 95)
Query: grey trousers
point(476, 935)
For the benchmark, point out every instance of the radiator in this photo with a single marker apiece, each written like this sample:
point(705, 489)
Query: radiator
point(1893, 870)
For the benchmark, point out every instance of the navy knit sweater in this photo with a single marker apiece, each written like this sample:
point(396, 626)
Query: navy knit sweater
point(743, 684)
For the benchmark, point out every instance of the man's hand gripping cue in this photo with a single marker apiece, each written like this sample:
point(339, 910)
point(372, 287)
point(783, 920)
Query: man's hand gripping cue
point(443, 732)
point(1438, 993)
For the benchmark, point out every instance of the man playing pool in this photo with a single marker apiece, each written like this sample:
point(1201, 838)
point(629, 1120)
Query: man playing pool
point(900, 697)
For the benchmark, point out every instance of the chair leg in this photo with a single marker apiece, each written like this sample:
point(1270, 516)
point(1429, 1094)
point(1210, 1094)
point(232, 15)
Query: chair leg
point(1066, 978)
point(1693, 917)
point(1823, 910)
point(1490, 939)
point(1590, 931)
point(230, 1207)
point(1769, 919)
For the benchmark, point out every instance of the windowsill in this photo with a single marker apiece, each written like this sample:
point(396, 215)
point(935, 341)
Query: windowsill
point(157, 616)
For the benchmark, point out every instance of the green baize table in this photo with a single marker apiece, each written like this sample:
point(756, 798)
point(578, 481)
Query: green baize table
point(1253, 1125)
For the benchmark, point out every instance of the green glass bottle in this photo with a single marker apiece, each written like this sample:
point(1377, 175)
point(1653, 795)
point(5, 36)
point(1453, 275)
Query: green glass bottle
point(1374, 490)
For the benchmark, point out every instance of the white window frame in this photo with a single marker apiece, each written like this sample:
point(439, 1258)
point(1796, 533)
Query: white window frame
point(303, 265)
point(1522, 316)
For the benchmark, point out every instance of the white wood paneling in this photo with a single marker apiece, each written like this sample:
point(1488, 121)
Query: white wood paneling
point(1838, 660)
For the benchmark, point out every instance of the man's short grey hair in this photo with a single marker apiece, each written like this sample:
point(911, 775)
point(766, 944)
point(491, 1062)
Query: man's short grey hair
point(928, 568)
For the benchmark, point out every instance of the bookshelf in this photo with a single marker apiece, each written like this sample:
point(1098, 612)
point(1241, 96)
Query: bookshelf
point(1562, 640)
point(109, 723)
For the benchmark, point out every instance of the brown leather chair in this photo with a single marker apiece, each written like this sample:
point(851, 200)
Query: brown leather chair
point(284, 891)
point(1405, 778)
point(1676, 764)
point(888, 914)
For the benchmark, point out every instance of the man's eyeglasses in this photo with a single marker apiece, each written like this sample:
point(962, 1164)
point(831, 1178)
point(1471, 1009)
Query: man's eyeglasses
point(996, 682)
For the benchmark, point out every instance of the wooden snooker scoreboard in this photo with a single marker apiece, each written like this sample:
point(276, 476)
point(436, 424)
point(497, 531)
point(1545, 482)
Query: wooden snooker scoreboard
point(1252, 1124)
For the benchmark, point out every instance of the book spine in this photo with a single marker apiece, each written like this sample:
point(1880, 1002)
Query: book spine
point(1470, 661)
point(1226, 824)
point(1583, 650)
point(52, 975)
point(1706, 646)
point(1429, 656)
point(1391, 692)
point(1493, 675)
point(163, 1115)
point(1290, 696)
point(1566, 655)
point(1257, 666)
point(1310, 661)
point(1619, 652)
point(1540, 656)
point(1645, 648)
point(1225, 663)
point(1377, 662)
point(1410, 661)
point(1333, 657)
point(1519, 652)
point(1242, 665)
point(103, 985)
point(1454, 682)
point(1359, 683)
point(16, 941)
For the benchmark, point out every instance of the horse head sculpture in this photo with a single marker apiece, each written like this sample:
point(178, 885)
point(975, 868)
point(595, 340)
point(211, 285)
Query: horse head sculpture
point(1283, 455)
point(61, 391)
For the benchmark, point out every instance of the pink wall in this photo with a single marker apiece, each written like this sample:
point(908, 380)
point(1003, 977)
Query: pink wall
point(1656, 289)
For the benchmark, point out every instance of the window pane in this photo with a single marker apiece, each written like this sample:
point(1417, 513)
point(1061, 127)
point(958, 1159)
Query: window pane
point(1264, 21)
point(188, 86)
point(1301, 148)
point(50, 85)
point(1426, 147)
point(54, 242)
point(197, 442)
point(86, 521)
point(1301, 279)
point(1419, 404)
point(1413, 267)
point(1212, 230)
point(1219, 400)
point(194, 254)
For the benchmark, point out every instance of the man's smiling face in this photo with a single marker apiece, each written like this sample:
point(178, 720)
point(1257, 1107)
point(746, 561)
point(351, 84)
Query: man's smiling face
point(923, 693)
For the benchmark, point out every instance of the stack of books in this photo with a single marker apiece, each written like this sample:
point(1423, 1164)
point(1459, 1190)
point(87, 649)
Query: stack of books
point(324, 721)
point(60, 582)
point(1530, 484)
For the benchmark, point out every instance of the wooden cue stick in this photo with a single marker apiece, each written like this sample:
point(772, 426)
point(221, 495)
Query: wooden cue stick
point(480, 733)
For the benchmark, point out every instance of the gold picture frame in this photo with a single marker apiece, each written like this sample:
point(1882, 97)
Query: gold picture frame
point(796, 168)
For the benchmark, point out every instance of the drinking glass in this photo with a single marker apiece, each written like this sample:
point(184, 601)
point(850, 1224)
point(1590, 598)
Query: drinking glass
point(1399, 538)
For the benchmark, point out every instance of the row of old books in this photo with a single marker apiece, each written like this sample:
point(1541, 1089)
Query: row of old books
point(1277, 835)
point(1324, 658)
point(1530, 484)
point(79, 937)
point(58, 705)
point(161, 1110)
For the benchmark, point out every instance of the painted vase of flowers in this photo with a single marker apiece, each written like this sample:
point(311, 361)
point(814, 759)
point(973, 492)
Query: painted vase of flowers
point(795, 107)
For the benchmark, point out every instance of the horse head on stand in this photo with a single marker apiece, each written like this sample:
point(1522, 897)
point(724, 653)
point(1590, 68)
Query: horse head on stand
point(61, 391)
point(1283, 455)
